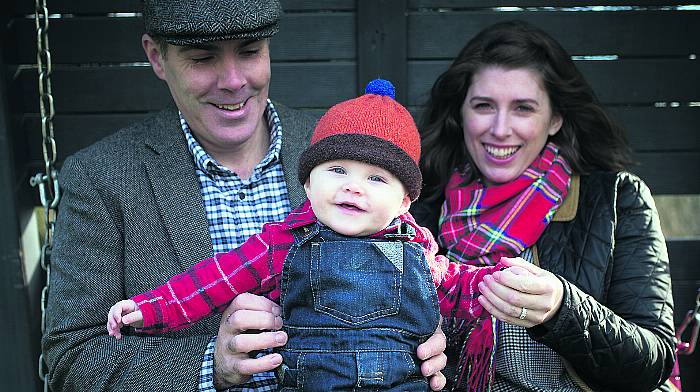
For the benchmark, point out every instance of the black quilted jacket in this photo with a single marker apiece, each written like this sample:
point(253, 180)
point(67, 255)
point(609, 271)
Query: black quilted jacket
point(615, 325)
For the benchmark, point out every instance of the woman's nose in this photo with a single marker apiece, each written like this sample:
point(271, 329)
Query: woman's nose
point(500, 127)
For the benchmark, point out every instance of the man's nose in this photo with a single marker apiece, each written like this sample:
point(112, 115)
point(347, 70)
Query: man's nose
point(231, 76)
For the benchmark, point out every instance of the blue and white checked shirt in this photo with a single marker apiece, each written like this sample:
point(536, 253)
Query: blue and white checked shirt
point(237, 209)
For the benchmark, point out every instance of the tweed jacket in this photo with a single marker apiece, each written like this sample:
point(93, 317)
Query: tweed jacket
point(614, 329)
point(131, 216)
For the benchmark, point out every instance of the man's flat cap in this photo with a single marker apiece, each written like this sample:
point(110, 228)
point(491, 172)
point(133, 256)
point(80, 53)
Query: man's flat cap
point(190, 22)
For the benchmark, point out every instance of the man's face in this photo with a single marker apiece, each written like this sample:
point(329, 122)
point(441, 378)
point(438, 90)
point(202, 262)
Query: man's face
point(221, 88)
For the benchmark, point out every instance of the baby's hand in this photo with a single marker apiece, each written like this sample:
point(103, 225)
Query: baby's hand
point(123, 313)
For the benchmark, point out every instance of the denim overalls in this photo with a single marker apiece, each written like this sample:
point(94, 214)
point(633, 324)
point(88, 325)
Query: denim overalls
point(355, 310)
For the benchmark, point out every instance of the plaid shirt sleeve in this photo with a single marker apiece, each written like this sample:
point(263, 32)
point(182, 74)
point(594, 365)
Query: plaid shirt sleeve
point(456, 283)
point(210, 285)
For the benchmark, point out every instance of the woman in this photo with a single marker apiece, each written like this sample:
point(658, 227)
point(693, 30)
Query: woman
point(522, 162)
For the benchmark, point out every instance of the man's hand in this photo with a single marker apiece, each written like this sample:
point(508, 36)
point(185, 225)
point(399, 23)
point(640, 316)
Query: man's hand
point(432, 353)
point(240, 338)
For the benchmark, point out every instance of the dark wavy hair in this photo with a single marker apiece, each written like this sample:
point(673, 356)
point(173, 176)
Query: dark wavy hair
point(589, 139)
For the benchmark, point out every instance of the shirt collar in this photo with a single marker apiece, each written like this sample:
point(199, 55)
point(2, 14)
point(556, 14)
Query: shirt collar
point(209, 165)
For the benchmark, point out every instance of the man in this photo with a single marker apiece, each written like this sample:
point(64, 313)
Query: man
point(150, 200)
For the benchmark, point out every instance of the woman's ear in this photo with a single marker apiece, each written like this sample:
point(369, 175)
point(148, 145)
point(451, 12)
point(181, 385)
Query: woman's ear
point(555, 124)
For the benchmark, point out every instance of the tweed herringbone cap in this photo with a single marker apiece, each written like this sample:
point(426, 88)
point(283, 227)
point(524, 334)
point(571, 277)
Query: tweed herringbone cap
point(191, 22)
point(372, 128)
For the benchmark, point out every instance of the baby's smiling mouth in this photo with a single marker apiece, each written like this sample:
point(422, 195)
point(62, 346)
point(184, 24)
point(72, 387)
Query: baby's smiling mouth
point(349, 206)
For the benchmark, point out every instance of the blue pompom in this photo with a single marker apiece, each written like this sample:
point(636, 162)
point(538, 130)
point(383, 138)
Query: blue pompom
point(381, 87)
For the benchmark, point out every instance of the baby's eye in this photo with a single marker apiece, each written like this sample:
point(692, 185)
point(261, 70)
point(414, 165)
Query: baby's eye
point(337, 170)
point(377, 179)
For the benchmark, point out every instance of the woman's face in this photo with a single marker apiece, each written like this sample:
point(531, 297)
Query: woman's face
point(507, 119)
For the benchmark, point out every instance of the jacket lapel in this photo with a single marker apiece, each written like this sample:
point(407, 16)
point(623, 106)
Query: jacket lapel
point(176, 190)
point(296, 131)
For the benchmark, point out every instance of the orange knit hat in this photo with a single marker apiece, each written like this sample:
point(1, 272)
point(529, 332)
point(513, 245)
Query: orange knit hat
point(372, 128)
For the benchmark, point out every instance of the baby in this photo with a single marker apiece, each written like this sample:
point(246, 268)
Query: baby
point(355, 276)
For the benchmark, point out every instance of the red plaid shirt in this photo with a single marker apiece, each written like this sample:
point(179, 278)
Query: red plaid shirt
point(256, 267)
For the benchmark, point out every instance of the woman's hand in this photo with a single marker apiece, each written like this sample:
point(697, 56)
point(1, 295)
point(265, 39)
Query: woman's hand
point(522, 285)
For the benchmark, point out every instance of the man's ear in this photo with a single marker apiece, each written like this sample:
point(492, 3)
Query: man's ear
point(405, 205)
point(154, 55)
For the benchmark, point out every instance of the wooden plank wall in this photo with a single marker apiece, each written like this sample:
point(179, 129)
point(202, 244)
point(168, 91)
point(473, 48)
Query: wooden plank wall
point(651, 85)
point(328, 49)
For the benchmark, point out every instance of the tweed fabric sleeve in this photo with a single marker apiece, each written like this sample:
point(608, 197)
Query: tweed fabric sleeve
point(210, 285)
point(456, 283)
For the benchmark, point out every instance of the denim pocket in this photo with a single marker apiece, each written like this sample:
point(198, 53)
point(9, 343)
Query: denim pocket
point(357, 281)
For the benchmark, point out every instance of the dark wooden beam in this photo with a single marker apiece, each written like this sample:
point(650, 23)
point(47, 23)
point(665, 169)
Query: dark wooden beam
point(19, 332)
point(381, 44)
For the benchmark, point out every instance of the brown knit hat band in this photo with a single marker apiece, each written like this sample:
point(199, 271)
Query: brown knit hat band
point(363, 148)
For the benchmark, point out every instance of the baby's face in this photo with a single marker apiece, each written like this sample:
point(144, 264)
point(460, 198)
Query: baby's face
point(355, 198)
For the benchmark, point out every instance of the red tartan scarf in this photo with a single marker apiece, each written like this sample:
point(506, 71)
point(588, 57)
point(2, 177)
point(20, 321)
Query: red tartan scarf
point(479, 224)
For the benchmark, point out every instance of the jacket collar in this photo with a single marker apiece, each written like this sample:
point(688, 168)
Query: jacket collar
point(567, 210)
point(301, 216)
point(167, 132)
point(176, 190)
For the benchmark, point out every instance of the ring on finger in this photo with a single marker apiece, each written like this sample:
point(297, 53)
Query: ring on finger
point(523, 313)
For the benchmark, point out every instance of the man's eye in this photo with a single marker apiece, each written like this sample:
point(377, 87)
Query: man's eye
point(250, 52)
point(201, 59)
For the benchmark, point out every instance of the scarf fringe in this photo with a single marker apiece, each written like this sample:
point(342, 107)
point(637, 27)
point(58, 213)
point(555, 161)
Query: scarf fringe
point(476, 359)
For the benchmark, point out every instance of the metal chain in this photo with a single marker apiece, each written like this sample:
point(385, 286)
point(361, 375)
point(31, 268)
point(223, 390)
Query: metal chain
point(49, 192)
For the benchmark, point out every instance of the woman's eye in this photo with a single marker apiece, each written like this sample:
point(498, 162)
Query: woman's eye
point(482, 106)
point(524, 108)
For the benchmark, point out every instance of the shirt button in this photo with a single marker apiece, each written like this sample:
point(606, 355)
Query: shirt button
point(241, 195)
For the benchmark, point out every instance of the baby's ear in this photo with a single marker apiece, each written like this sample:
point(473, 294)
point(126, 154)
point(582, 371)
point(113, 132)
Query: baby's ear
point(405, 204)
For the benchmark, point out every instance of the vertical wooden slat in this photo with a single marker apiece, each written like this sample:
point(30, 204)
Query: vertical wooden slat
point(381, 44)
point(18, 336)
